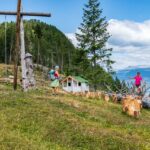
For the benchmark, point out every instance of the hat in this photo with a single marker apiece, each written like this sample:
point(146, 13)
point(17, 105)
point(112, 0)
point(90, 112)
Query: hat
point(56, 67)
point(27, 55)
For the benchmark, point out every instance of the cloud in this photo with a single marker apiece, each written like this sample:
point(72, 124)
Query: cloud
point(72, 38)
point(129, 32)
point(130, 42)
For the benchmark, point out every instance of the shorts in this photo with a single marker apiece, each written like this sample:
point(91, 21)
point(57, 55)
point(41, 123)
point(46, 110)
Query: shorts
point(138, 85)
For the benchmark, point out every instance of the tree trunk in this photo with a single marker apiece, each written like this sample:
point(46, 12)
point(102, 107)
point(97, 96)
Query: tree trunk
point(94, 69)
point(11, 49)
point(23, 63)
point(52, 60)
point(62, 62)
point(38, 58)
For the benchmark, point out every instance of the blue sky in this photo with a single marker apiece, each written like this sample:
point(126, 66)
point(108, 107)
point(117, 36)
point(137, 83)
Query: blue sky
point(129, 24)
point(67, 14)
point(137, 10)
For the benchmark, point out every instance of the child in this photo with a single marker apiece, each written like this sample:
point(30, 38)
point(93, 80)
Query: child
point(138, 80)
point(137, 83)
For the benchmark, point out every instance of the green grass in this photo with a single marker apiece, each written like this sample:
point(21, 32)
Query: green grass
point(38, 121)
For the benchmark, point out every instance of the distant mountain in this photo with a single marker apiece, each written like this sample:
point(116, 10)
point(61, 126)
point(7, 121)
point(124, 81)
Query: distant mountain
point(131, 72)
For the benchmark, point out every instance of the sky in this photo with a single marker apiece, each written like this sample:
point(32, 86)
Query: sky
point(129, 25)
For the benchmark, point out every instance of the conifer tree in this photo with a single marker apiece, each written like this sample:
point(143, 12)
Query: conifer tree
point(93, 35)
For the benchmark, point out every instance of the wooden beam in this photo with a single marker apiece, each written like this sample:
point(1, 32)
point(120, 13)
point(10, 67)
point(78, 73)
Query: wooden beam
point(17, 44)
point(13, 13)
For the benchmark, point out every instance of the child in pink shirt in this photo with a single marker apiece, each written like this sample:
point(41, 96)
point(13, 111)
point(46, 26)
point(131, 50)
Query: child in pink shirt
point(137, 83)
point(138, 79)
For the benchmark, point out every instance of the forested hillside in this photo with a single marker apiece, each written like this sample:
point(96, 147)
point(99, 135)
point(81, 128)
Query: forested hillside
point(46, 43)
point(50, 47)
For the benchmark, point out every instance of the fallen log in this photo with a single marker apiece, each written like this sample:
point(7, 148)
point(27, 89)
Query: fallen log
point(8, 80)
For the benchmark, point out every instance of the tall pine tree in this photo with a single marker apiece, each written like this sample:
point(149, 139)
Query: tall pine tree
point(92, 37)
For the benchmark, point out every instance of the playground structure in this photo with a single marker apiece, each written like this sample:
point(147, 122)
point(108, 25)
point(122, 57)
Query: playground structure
point(20, 46)
point(75, 84)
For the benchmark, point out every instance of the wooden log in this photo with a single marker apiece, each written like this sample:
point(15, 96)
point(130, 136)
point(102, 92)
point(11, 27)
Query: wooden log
point(17, 45)
point(8, 80)
point(36, 14)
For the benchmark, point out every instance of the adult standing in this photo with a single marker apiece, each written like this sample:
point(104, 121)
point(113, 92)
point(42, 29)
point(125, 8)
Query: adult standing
point(55, 80)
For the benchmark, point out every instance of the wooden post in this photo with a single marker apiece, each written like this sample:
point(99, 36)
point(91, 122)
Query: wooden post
point(18, 35)
point(17, 47)
point(72, 86)
point(67, 85)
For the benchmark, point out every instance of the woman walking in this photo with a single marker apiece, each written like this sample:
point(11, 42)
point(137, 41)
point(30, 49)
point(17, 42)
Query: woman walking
point(54, 75)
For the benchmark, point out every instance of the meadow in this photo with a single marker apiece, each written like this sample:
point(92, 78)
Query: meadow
point(37, 120)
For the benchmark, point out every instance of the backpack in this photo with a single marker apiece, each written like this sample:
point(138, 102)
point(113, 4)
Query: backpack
point(52, 75)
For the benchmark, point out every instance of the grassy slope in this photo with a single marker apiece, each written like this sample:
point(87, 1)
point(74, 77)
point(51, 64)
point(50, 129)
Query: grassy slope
point(39, 121)
point(36, 120)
